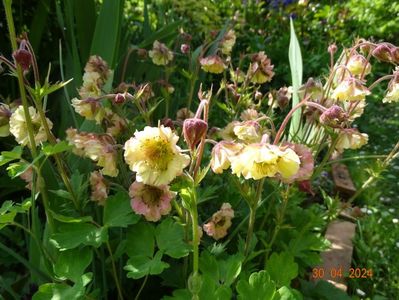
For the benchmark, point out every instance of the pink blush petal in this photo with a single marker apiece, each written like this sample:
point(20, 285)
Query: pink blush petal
point(139, 206)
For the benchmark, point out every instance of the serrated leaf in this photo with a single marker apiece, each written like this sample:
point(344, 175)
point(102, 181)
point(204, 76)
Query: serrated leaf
point(117, 211)
point(142, 265)
point(170, 239)
point(71, 264)
point(259, 287)
point(62, 193)
point(282, 268)
point(51, 291)
point(287, 293)
point(71, 235)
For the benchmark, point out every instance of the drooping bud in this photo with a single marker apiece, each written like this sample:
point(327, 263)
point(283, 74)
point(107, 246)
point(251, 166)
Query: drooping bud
point(184, 113)
point(333, 116)
point(194, 130)
point(167, 122)
point(395, 55)
point(22, 56)
point(212, 64)
point(185, 48)
point(119, 98)
point(283, 96)
point(142, 53)
point(383, 53)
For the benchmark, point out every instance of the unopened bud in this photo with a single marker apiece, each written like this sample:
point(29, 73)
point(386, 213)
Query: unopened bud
point(382, 52)
point(333, 116)
point(23, 58)
point(194, 130)
point(167, 122)
point(332, 49)
point(395, 54)
point(185, 48)
point(142, 53)
point(258, 95)
point(119, 98)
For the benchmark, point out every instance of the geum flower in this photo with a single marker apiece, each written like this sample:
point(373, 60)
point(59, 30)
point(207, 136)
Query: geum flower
point(350, 89)
point(19, 128)
point(222, 153)
point(160, 54)
point(150, 201)
point(261, 160)
point(260, 70)
point(99, 188)
point(306, 162)
point(220, 222)
point(350, 138)
point(89, 108)
point(154, 155)
point(99, 148)
point(212, 64)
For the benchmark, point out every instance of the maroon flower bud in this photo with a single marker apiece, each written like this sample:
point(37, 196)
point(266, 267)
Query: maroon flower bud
point(23, 58)
point(333, 116)
point(306, 186)
point(167, 122)
point(382, 52)
point(194, 130)
point(184, 48)
point(119, 98)
point(142, 53)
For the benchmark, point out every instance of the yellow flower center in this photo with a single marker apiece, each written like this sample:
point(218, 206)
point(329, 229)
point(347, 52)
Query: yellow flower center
point(265, 168)
point(158, 153)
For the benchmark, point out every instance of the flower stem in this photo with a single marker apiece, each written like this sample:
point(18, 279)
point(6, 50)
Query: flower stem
point(114, 273)
point(194, 222)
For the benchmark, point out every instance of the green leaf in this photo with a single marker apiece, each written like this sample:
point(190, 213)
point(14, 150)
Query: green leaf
point(16, 169)
point(142, 265)
point(230, 269)
point(117, 211)
point(170, 239)
point(295, 58)
point(140, 240)
point(7, 156)
point(107, 32)
point(182, 294)
point(287, 293)
point(71, 235)
point(209, 266)
point(57, 148)
point(68, 219)
point(282, 268)
point(259, 287)
point(51, 291)
point(71, 264)
point(62, 193)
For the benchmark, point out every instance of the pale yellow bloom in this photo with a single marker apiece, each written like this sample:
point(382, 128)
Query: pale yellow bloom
point(154, 155)
point(392, 94)
point(261, 160)
point(248, 131)
point(91, 86)
point(19, 129)
point(350, 89)
point(222, 154)
point(89, 108)
point(160, 54)
point(351, 138)
point(228, 42)
point(212, 64)
point(358, 64)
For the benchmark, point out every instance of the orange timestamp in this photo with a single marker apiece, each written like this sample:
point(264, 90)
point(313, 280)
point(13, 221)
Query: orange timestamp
point(353, 273)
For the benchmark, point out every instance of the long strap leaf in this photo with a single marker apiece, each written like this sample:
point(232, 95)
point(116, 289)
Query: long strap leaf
point(295, 58)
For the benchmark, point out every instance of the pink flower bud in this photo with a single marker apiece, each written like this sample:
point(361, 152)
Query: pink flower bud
point(332, 49)
point(193, 130)
point(333, 116)
point(23, 58)
point(185, 48)
point(142, 53)
point(395, 54)
point(167, 122)
point(382, 52)
point(119, 98)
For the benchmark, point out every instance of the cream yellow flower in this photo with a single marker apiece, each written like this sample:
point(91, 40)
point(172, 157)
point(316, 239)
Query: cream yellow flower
point(358, 64)
point(248, 131)
point(19, 129)
point(91, 86)
point(392, 94)
point(350, 89)
point(222, 154)
point(350, 138)
point(212, 64)
point(160, 54)
point(89, 108)
point(228, 42)
point(154, 155)
point(261, 160)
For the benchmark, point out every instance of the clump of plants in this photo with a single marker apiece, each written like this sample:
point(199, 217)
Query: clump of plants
point(202, 204)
